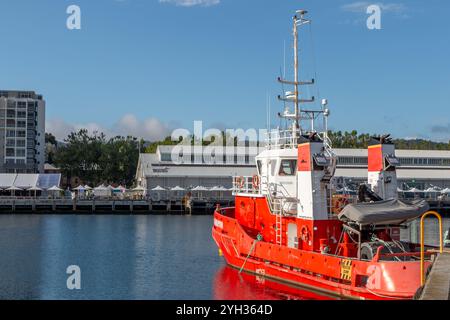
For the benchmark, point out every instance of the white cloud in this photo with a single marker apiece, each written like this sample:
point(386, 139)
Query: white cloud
point(191, 3)
point(361, 6)
point(150, 129)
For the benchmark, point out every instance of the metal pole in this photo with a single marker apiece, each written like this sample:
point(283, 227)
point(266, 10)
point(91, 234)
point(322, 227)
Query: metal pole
point(422, 242)
point(296, 67)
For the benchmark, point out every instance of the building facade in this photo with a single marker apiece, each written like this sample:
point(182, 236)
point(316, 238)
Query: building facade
point(420, 169)
point(22, 132)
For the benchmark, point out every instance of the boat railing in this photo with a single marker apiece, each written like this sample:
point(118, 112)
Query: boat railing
point(282, 139)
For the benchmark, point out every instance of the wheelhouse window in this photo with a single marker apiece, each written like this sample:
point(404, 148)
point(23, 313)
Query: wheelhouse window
point(259, 164)
point(288, 168)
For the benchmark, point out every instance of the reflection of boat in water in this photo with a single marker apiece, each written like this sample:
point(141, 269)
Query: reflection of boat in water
point(286, 227)
point(230, 285)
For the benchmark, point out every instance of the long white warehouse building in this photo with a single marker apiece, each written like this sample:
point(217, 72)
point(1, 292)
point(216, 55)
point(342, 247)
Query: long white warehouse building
point(419, 168)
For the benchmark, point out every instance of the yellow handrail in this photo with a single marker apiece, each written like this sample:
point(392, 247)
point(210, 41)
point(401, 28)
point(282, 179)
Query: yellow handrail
point(422, 242)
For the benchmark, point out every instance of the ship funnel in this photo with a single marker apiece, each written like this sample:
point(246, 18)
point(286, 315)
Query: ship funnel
point(382, 165)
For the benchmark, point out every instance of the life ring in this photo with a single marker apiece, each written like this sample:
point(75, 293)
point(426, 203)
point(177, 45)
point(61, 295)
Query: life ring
point(240, 182)
point(256, 182)
point(304, 234)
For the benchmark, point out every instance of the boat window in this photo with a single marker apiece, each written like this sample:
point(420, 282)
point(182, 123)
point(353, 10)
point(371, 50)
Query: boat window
point(288, 167)
point(273, 167)
point(259, 164)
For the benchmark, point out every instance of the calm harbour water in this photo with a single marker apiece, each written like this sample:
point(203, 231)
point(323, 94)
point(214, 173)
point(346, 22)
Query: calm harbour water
point(122, 257)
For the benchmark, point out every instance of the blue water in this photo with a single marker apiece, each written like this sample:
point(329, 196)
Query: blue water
point(124, 257)
point(121, 257)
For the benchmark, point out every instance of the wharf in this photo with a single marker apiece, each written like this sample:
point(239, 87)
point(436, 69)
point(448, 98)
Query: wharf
point(437, 286)
point(106, 206)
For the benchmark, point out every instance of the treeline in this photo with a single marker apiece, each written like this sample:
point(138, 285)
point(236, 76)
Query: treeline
point(339, 139)
point(353, 139)
point(93, 158)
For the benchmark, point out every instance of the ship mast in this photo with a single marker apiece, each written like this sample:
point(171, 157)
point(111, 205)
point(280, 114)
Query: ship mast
point(296, 67)
point(299, 20)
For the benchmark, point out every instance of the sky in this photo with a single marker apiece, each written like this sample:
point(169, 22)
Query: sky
point(146, 67)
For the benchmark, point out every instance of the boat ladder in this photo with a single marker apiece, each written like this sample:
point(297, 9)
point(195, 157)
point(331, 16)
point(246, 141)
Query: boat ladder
point(278, 211)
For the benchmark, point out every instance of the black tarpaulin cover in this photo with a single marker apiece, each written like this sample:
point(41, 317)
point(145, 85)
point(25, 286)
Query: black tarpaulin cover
point(386, 212)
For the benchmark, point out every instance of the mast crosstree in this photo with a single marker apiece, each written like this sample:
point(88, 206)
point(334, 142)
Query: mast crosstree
point(294, 97)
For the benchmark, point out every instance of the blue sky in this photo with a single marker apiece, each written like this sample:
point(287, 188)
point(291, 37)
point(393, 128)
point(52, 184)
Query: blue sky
point(147, 66)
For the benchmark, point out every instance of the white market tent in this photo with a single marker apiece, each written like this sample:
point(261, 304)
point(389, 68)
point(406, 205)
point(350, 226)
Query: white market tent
point(7, 180)
point(102, 191)
point(30, 182)
point(26, 181)
point(446, 191)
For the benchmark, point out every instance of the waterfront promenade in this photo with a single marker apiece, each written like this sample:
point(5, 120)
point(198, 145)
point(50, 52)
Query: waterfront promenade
point(99, 206)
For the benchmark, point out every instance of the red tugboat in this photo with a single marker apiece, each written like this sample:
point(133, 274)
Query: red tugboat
point(286, 228)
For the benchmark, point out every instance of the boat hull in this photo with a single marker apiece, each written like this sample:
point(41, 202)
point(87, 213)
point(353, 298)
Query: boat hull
point(332, 275)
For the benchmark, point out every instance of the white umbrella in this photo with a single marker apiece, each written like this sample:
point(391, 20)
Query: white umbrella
point(219, 188)
point(55, 188)
point(139, 189)
point(79, 188)
point(199, 188)
point(158, 188)
point(446, 191)
point(177, 188)
point(35, 189)
point(13, 190)
point(87, 187)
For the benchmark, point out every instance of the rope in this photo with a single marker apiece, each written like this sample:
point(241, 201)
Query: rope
point(259, 238)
